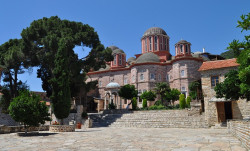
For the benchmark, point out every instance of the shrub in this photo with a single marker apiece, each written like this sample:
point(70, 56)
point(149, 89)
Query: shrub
point(188, 101)
point(29, 109)
point(84, 115)
point(182, 101)
point(144, 103)
point(134, 103)
point(158, 103)
point(112, 106)
point(157, 107)
point(148, 95)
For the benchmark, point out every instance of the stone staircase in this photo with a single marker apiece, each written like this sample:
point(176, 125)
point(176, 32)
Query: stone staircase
point(151, 119)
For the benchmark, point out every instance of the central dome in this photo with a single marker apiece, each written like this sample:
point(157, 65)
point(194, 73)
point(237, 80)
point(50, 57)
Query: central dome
point(148, 57)
point(154, 31)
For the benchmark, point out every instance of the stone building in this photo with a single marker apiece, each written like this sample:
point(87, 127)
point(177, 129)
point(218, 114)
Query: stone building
point(154, 64)
point(219, 110)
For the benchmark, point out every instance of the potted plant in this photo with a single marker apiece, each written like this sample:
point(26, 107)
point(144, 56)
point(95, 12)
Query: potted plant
point(84, 115)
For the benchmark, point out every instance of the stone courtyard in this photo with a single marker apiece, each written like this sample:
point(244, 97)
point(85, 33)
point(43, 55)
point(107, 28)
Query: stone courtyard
point(174, 139)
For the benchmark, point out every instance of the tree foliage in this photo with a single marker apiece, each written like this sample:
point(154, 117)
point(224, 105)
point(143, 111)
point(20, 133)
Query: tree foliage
point(182, 101)
point(228, 54)
point(194, 88)
point(44, 37)
point(188, 100)
point(128, 92)
point(144, 103)
point(28, 109)
point(50, 43)
point(172, 95)
point(148, 95)
point(239, 82)
point(161, 89)
point(134, 103)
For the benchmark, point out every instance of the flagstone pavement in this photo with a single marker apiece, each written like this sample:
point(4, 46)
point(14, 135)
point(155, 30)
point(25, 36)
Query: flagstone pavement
point(128, 139)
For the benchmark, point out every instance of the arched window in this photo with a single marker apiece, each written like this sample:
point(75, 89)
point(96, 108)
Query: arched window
point(165, 43)
point(150, 43)
point(161, 40)
point(114, 59)
point(155, 42)
point(120, 59)
point(159, 77)
point(146, 45)
point(152, 76)
point(176, 52)
point(181, 47)
point(182, 73)
point(141, 77)
point(125, 81)
point(186, 48)
point(133, 78)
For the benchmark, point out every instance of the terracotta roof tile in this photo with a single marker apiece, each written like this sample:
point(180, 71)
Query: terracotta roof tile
point(209, 65)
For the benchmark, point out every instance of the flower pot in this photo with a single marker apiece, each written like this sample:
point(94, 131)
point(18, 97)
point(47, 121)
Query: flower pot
point(79, 126)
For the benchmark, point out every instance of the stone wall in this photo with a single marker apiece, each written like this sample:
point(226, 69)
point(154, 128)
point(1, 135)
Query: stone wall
point(14, 129)
point(5, 119)
point(241, 130)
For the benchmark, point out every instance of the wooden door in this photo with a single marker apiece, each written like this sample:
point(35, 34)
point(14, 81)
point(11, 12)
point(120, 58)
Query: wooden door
point(221, 112)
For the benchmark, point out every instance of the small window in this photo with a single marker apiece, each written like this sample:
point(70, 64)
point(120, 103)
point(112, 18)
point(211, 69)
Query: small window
point(186, 48)
point(141, 77)
point(165, 43)
point(125, 101)
point(152, 76)
point(183, 89)
point(159, 77)
point(214, 80)
point(182, 73)
point(146, 45)
point(125, 81)
point(100, 83)
point(139, 92)
point(161, 43)
point(150, 43)
point(133, 78)
point(114, 59)
point(120, 59)
point(155, 42)
point(167, 77)
point(181, 47)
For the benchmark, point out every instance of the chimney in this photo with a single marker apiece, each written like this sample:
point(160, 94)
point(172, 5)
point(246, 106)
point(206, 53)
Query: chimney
point(203, 50)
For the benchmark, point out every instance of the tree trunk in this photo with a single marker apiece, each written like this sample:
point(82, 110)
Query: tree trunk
point(15, 82)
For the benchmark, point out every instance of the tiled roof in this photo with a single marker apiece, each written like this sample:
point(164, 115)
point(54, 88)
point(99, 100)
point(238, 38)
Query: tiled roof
point(209, 65)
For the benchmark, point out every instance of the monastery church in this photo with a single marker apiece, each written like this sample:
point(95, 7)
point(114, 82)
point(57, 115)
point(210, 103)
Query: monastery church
point(154, 64)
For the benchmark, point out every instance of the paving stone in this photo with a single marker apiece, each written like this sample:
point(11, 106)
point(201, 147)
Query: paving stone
point(120, 139)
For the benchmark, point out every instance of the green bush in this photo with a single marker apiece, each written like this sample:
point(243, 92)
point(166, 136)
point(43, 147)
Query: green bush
point(29, 109)
point(112, 106)
point(188, 100)
point(157, 107)
point(148, 95)
point(182, 101)
point(134, 103)
point(158, 103)
point(84, 115)
point(144, 103)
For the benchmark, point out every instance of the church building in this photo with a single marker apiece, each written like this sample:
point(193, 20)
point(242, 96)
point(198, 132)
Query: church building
point(154, 64)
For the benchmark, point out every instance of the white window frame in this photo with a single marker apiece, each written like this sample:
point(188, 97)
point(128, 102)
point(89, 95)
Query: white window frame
point(125, 81)
point(100, 83)
point(182, 73)
point(150, 44)
point(152, 76)
point(141, 77)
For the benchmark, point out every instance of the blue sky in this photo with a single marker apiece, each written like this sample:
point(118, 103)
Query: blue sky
point(207, 23)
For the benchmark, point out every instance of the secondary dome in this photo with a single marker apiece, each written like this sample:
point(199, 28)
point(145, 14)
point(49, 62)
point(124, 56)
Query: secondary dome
point(117, 51)
point(182, 42)
point(148, 57)
point(113, 47)
point(131, 59)
point(154, 31)
point(113, 85)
